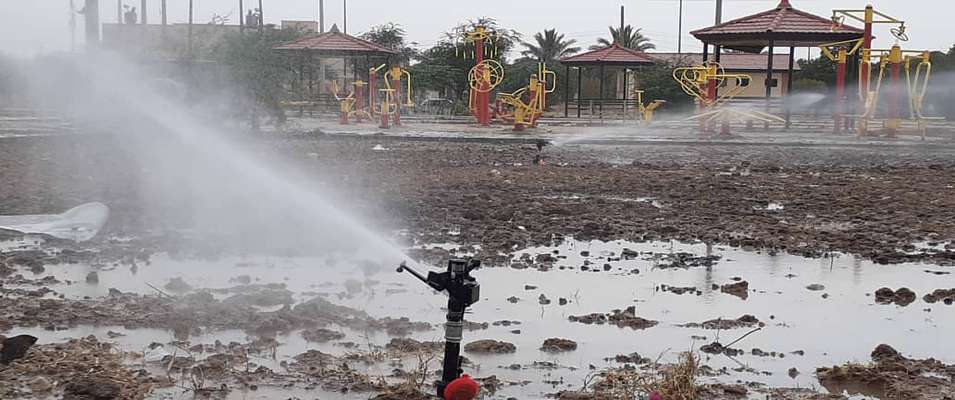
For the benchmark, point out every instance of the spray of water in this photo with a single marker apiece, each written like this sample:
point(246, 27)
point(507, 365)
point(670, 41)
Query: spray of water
point(190, 171)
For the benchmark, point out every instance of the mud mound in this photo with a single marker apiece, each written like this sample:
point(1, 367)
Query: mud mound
point(902, 297)
point(321, 335)
point(892, 375)
point(680, 290)
point(745, 321)
point(946, 296)
point(556, 345)
point(77, 369)
point(683, 260)
point(739, 289)
point(489, 346)
point(624, 319)
point(405, 345)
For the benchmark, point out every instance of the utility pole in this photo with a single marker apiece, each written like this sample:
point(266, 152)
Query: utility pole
point(321, 16)
point(143, 12)
point(620, 32)
point(162, 6)
point(345, 16)
point(189, 40)
point(119, 11)
point(261, 18)
point(72, 27)
point(679, 36)
point(241, 17)
point(91, 23)
point(719, 20)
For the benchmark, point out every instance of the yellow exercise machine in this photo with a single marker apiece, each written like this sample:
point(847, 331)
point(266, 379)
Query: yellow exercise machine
point(701, 82)
point(526, 105)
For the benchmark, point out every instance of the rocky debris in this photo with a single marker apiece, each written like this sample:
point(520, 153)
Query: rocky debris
point(683, 260)
point(902, 297)
point(513, 299)
point(793, 373)
point(625, 318)
point(632, 358)
point(816, 287)
point(530, 287)
point(15, 347)
point(92, 278)
point(745, 321)
point(946, 296)
point(543, 300)
point(405, 345)
point(556, 345)
point(739, 289)
point(679, 290)
point(489, 346)
point(177, 285)
point(892, 375)
point(79, 369)
point(321, 335)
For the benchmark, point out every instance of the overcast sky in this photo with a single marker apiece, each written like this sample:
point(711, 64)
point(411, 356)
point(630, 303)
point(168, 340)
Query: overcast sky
point(28, 27)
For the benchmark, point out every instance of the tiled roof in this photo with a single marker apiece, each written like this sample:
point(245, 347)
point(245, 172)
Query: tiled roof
point(613, 54)
point(334, 41)
point(730, 61)
point(780, 23)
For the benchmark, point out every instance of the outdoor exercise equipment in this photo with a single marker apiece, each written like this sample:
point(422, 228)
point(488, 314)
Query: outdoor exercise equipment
point(895, 60)
point(351, 105)
point(486, 74)
point(463, 290)
point(526, 105)
point(700, 82)
point(646, 110)
point(390, 102)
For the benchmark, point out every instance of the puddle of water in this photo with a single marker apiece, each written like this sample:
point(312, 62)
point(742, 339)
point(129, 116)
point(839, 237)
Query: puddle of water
point(845, 326)
point(771, 206)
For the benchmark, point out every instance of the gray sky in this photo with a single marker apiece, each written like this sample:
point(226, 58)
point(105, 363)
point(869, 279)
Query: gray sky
point(29, 27)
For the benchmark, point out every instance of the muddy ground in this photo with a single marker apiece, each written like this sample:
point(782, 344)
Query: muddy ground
point(887, 203)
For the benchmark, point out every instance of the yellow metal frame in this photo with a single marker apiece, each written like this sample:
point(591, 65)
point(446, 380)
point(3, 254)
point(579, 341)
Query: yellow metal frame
point(646, 110)
point(694, 81)
point(347, 103)
point(488, 71)
point(395, 74)
point(536, 106)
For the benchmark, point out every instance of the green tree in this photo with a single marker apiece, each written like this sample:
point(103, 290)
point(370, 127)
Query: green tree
point(628, 37)
point(259, 72)
point(818, 69)
point(444, 67)
point(391, 36)
point(549, 47)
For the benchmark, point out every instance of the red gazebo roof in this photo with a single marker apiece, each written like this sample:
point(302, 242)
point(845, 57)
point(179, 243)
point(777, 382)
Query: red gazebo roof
point(784, 25)
point(336, 43)
point(611, 55)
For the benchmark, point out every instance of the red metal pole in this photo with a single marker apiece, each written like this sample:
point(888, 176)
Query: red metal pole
point(482, 96)
point(840, 91)
point(711, 98)
point(397, 82)
point(372, 91)
point(359, 101)
point(864, 66)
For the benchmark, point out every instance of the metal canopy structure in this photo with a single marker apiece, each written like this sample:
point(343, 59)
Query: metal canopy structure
point(783, 26)
point(614, 56)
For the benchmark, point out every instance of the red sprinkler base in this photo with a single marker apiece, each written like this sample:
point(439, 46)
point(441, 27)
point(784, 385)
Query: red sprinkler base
point(463, 388)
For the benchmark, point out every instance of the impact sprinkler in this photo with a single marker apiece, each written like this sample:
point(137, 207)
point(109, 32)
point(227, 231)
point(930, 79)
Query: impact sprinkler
point(463, 291)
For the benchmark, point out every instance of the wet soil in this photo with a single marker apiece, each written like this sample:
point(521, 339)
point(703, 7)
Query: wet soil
point(870, 201)
point(892, 375)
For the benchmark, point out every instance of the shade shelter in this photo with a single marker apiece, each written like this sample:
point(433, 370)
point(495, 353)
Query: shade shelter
point(783, 26)
point(337, 45)
point(613, 56)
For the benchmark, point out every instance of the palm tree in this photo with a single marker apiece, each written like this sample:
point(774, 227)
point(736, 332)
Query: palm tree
point(550, 47)
point(629, 37)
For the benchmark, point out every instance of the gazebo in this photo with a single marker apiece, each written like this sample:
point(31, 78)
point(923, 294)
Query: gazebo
point(783, 26)
point(614, 56)
point(335, 44)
